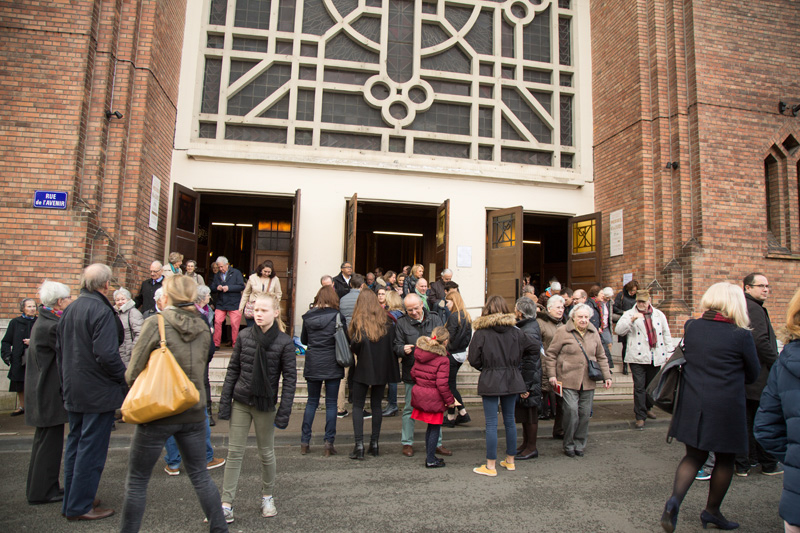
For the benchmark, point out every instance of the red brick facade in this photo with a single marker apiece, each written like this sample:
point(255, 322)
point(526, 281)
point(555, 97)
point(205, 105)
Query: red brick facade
point(62, 63)
point(698, 83)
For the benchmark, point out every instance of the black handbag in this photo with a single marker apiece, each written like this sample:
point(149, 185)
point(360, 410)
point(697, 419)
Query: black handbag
point(595, 374)
point(664, 389)
point(344, 357)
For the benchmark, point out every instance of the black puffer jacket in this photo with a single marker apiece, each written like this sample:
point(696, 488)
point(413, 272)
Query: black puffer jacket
point(497, 350)
point(531, 366)
point(319, 328)
point(460, 333)
point(407, 331)
point(280, 362)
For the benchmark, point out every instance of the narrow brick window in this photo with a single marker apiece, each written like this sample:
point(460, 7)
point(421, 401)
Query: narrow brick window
point(777, 205)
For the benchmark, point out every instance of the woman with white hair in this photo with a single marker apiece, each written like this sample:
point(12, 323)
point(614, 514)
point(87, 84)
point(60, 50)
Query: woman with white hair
point(131, 320)
point(550, 319)
point(45, 405)
point(710, 413)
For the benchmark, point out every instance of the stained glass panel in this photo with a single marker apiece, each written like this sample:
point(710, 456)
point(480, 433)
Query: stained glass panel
point(566, 120)
point(252, 14)
point(504, 231)
point(211, 80)
point(583, 236)
point(564, 41)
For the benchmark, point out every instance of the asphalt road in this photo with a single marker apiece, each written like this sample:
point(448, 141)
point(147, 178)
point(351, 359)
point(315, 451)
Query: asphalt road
point(621, 485)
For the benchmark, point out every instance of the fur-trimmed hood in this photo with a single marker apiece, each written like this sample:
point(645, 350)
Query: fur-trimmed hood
point(425, 343)
point(494, 321)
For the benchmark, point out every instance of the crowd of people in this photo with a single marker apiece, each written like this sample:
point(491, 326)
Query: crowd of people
point(539, 357)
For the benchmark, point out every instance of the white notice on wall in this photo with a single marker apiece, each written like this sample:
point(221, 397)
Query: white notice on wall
point(155, 199)
point(627, 278)
point(464, 256)
point(615, 233)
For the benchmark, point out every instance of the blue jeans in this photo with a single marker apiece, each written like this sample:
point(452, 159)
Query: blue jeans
point(331, 396)
point(506, 404)
point(391, 396)
point(84, 459)
point(148, 440)
point(173, 456)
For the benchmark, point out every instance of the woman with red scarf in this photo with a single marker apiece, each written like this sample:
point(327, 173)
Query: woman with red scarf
point(649, 346)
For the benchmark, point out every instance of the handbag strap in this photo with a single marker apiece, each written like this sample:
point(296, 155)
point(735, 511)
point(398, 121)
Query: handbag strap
point(581, 345)
point(162, 332)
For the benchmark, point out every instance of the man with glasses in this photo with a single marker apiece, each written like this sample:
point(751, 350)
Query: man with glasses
point(229, 284)
point(756, 291)
point(341, 283)
point(144, 300)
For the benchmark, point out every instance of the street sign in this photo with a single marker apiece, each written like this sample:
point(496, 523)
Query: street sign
point(50, 199)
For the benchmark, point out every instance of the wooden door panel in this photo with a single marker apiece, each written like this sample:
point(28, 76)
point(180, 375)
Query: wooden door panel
point(185, 219)
point(504, 253)
point(585, 251)
point(350, 230)
point(442, 237)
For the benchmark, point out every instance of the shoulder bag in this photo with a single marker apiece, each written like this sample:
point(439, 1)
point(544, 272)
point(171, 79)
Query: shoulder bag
point(664, 389)
point(595, 374)
point(344, 357)
point(161, 390)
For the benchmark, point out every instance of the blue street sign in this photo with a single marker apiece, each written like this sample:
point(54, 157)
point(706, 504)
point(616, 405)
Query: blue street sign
point(50, 199)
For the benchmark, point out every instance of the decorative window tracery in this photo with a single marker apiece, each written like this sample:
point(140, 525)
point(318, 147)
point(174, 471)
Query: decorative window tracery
point(482, 80)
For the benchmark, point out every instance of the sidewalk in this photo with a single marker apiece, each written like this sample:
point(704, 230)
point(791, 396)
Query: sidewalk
point(608, 416)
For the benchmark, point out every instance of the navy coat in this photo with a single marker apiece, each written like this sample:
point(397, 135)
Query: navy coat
point(13, 348)
point(87, 352)
point(319, 328)
point(229, 301)
point(777, 426)
point(531, 364)
point(720, 359)
point(44, 405)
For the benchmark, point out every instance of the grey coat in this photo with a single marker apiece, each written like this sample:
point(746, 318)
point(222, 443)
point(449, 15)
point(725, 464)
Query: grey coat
point(44, 405)
point(132, 321)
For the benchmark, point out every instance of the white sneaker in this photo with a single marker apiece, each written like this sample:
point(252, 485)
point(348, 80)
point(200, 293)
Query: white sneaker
point(268, 506)
point(228, 512)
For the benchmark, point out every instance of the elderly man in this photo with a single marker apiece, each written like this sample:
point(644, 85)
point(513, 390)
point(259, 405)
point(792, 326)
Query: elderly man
point(578, 297)
point(93, 385)
point(528, 291)
point(144, 300)
point(341, 283)
point(436, 291)
point(229, 284)
point(417, 322)
point(326, 280)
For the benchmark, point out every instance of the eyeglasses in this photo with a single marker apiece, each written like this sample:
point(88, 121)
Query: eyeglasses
point(765, 286)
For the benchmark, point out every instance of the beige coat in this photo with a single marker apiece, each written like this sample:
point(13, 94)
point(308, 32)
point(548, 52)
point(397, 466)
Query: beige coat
point(566, 362)
point(256, 286)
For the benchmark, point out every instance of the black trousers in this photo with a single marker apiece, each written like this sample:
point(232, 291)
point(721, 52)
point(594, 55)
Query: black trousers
point(642, 375)
point(757, 453)
point(45, 465)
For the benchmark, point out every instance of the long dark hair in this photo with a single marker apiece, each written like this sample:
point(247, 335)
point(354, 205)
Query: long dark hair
point(326, 297)
point(495, 304)
point(369, 318)
point(266, 264)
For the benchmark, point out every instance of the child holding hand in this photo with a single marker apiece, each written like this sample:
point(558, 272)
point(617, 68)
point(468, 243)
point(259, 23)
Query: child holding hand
point(431, 394)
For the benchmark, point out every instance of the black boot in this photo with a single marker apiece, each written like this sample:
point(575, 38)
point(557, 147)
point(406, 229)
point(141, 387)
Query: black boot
point(373, 447)
point(358, 451)
point(211, 417)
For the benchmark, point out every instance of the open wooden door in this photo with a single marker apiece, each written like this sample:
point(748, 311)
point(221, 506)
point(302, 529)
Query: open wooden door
point(585, 266)
point(293, 261)
point(185, 218)
point(350, 230)
point(504, 253)
point(442, 237)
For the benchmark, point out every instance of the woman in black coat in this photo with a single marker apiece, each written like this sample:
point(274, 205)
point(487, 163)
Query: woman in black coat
point(372, 333)
point(710, 413)
point(14, 346)
point(45, 407)
point(319, 329)
point(527, 409)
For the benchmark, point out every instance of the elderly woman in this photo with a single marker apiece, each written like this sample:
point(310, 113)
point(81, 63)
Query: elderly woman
point(191, 272)
point(527, 409)
point(568, 356)
point(710, 412)
point(131, 320)
point(625, 300)
point(549, 320)
point(45, 409)
point(649, 345)
point(14, 347)
point(263, 281)
point(173, 266)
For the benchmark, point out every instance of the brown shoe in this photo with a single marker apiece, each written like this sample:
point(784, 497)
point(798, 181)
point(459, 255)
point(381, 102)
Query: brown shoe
point(441, 450)
point(408, 450)
point(304, 449)
point(215, 463)
point(640, 424)
point(651, 415)
point(329, 449)
point(94, 514)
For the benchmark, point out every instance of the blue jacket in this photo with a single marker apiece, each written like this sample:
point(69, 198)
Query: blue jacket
point(777, 426)
point(229, 301)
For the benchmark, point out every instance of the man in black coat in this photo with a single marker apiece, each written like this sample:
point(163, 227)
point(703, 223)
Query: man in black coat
point(93, 385)
point(756, 291)
point(414, 324)
point(436, 291)
point(341, 283)
point(145, 301)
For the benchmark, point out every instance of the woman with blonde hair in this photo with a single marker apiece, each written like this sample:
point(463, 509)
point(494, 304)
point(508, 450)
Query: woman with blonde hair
point(371, 335)
point(459, 326)
point(779, 404)
point(710, 412)
point(173, 266)
point(411, 281)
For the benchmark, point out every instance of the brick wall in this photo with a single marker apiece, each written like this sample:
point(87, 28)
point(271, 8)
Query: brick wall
point(64, 65)
point(697, 83)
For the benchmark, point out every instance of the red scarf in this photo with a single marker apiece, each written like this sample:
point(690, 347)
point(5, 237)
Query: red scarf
point(716, 316)
point(648, 326)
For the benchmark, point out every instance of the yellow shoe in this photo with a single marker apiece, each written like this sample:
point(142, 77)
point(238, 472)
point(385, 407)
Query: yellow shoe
point(508, 466)
point(482, 470)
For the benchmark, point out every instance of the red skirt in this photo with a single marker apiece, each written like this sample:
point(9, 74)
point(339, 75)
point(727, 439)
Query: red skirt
point(430, 418)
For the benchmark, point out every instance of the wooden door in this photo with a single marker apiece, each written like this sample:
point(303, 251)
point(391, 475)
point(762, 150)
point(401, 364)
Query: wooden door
point(585, 266)
point(185, 218)
point(442, 237)
point(504, 253)
point(292, 289)
point(350, 230)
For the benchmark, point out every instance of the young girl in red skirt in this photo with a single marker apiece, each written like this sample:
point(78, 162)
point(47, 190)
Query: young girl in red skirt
point(431, 394)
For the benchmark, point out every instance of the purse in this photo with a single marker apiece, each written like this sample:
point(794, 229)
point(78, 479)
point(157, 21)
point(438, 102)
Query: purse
point(344, 357)
point(595, 374)
point(664, 389)
point(161, 390)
